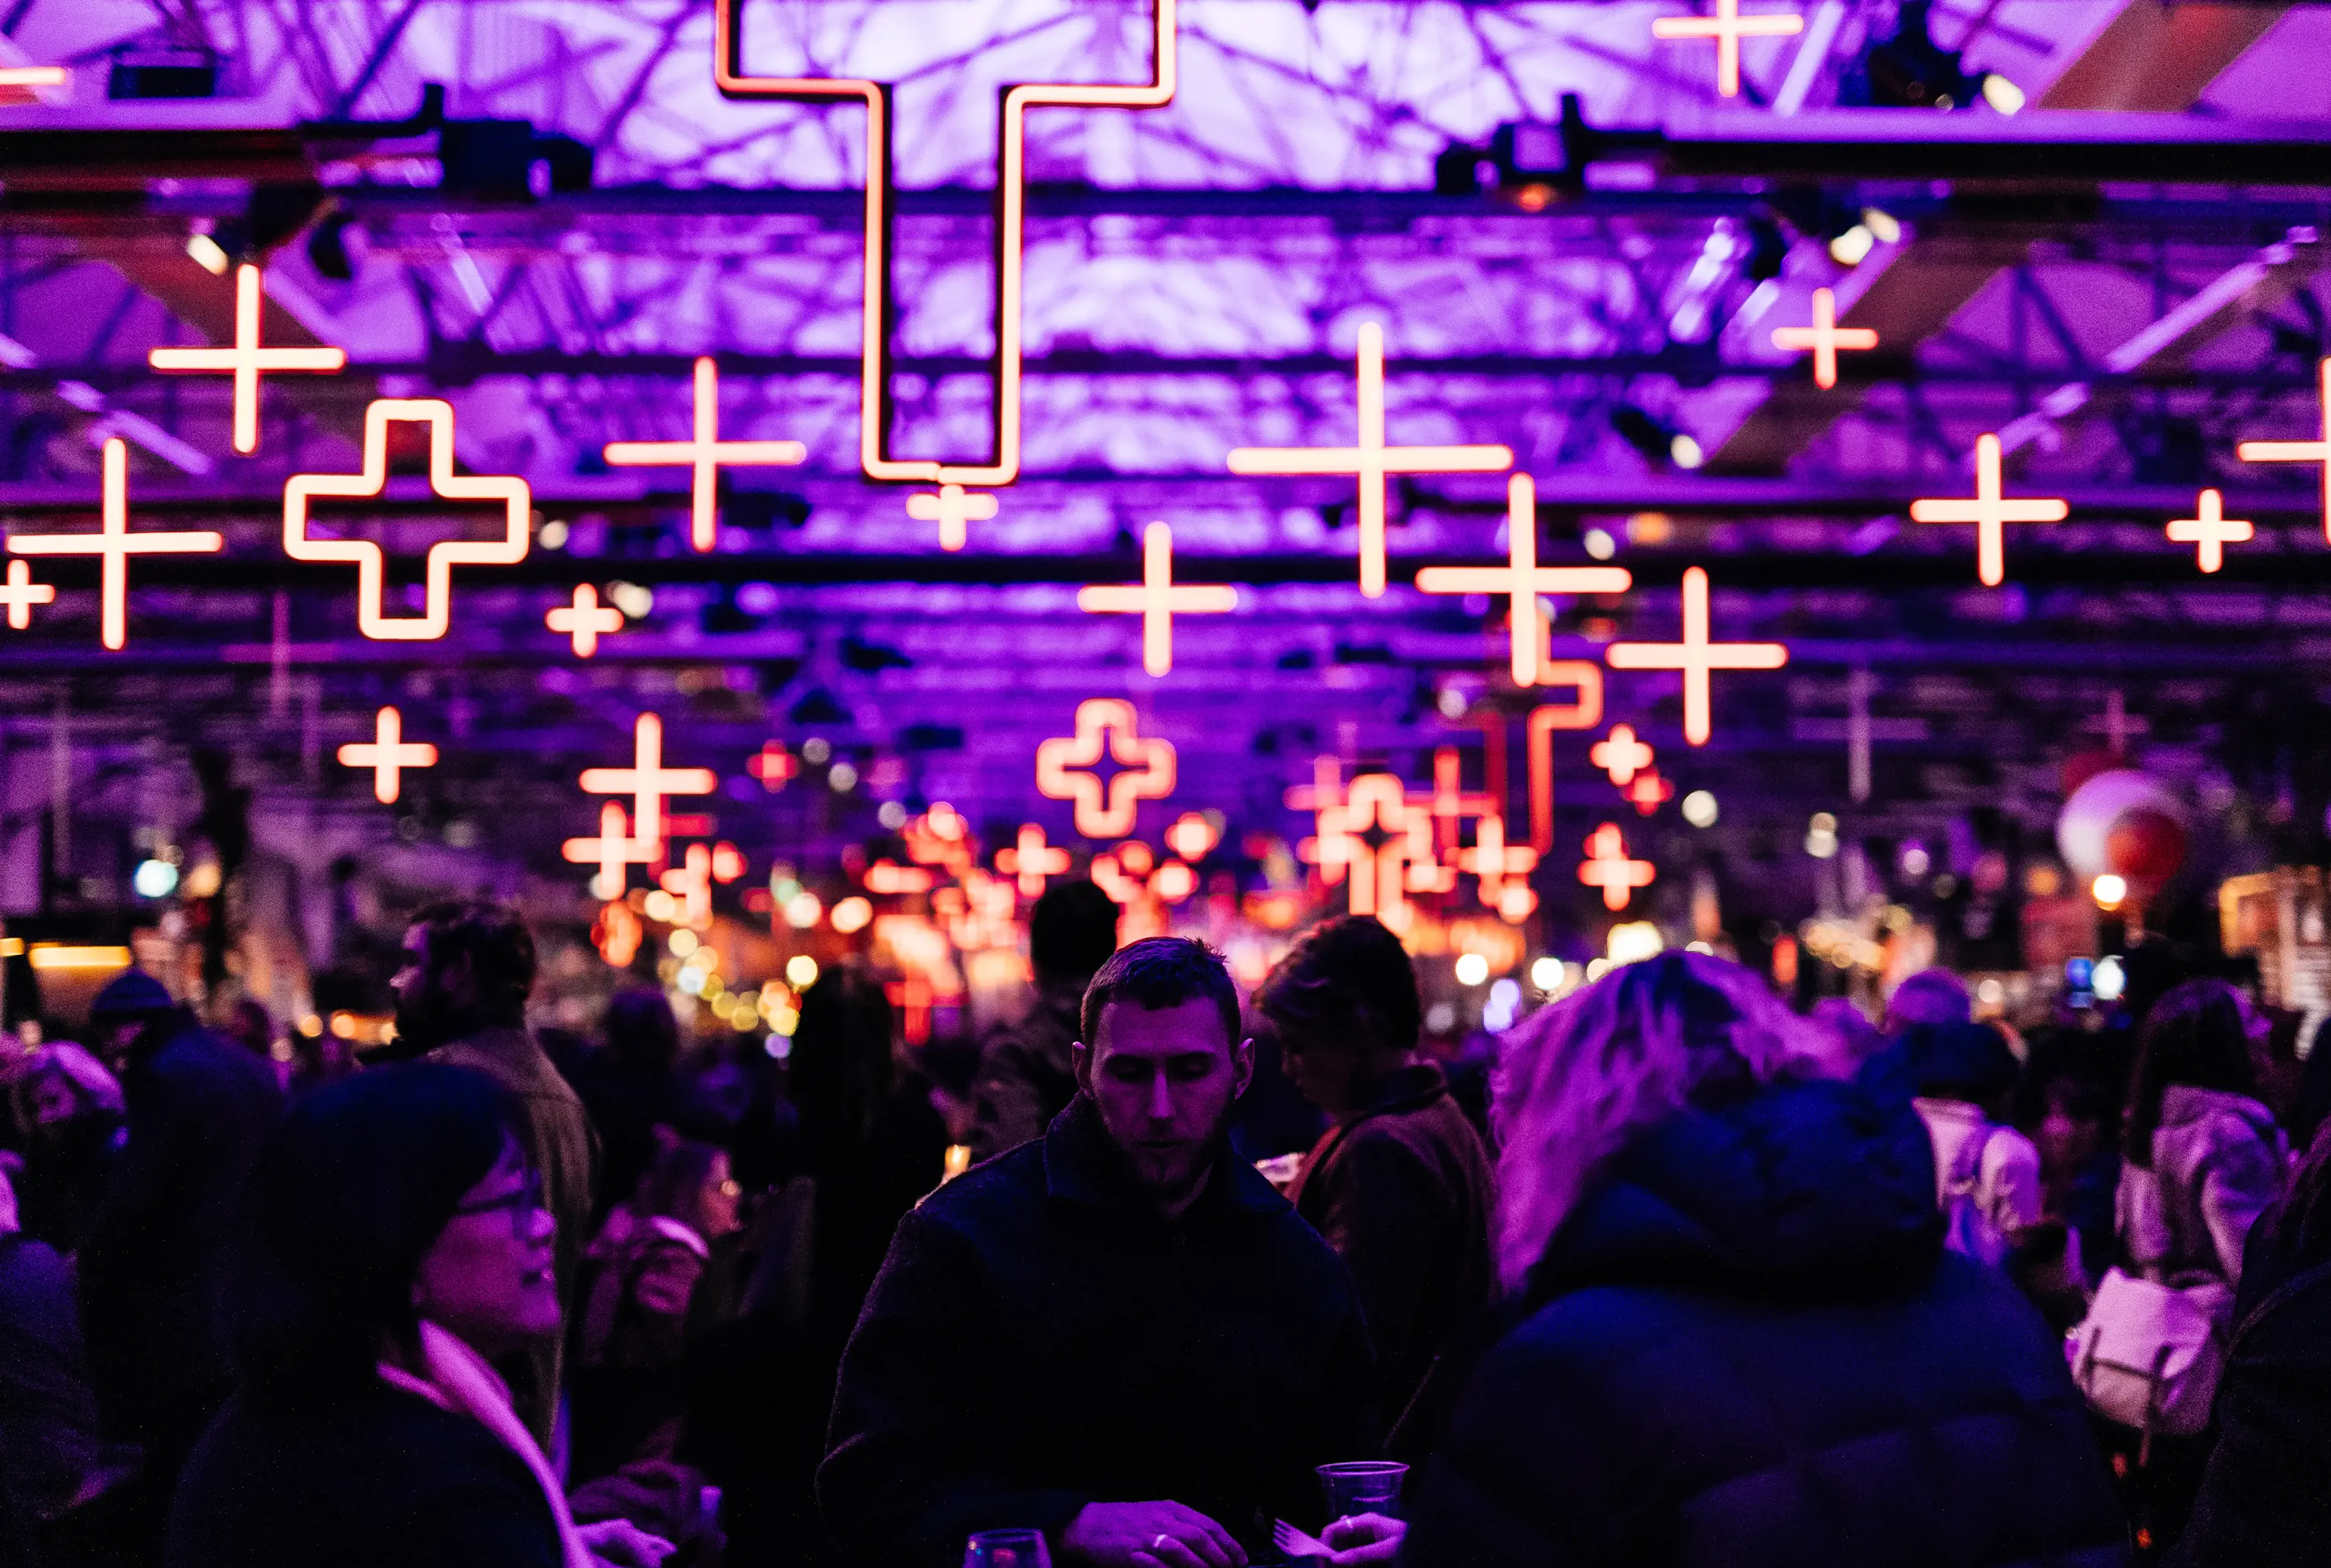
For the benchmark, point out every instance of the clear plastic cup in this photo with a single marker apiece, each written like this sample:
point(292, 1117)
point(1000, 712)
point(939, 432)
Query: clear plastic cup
point(1006, 1549)
point(1364, 1487)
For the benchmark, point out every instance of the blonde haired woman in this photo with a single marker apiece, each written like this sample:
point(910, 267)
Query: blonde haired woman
point(1744, 1344)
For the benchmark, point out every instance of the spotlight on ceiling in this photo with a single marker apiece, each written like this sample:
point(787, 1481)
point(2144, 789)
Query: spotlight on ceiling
point(1660, 441)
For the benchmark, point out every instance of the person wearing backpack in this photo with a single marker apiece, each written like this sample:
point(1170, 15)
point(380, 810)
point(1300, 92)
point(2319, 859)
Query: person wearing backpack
point(1986, 1174)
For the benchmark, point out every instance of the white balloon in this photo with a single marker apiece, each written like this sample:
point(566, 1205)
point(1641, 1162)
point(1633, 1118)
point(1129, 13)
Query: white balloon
point(2090, 812)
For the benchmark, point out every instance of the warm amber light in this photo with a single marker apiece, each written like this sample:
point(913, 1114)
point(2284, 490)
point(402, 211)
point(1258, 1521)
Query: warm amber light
point(614, 850)
point(1620, 755)
point(2318, 451)
point(22, 593)
point(647, 781)
point(1607, 866)
point(57, 956)
point(1031, 860)
point(585, 620)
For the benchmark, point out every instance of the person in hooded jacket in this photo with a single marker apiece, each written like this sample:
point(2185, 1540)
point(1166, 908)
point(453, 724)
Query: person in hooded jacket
point(1746, 1345)
point(1025, 1078)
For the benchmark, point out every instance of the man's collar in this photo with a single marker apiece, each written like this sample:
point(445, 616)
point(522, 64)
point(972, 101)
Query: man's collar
point(1084, 1167)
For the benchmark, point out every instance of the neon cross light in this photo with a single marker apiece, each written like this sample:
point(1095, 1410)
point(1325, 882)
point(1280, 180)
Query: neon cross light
point(612, 851)
point(1522, 580)
point(1031, 860)
point(1065, 764)
point(1650, 792)
point(1385, 842)
point(690, 881)
point(951, 509)
point(2301, 450)
point(773, 766)
point(388, 754)
point(1607, 866)
point(22, 593)
point(23, 77)
point(1987, 512)
point(1544, 720)
point(585, 620)
point(1011, 213)
point(1620, 755)
point(1727, 27)
point(705, 453)
point(647, 781)
point(1451, 804)
point(1156, 600)
point(2211, 532)
point(1322, 796)
point(1493, 860)
point(1370, 460)
point(437, 613)
point(1824, 337)
point(113, 544)
point(1696, 656)
point(246, 361)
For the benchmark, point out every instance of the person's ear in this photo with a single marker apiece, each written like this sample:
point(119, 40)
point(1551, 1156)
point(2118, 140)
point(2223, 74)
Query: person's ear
point(1242, 1064)
point(1080, 1062)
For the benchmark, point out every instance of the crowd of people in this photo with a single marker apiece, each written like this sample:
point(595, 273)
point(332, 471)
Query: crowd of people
point(1693, 1280)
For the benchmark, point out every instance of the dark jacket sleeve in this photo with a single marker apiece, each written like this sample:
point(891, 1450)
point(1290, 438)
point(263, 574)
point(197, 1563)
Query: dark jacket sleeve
point(902, 1483)
point(1383, 1215)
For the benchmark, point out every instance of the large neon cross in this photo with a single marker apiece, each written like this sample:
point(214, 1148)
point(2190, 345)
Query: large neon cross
point(387, 754)
point(647, 781)
point(1727, 27)
point(2211, 532)
point(585, 620)
point(705, 453)
point(1607, 866)
point(1065, 768)
point(2302, 450)
point(22, 593)
point(1156, 600)
point(951, 509)
point(1988, 510)
point(614, 850)
point(1620, 755)
point(1031, 860)
point(1010, 215)
point(437, 610)
point(1370, 460)
point(1824, 337)
point(1696, 656)
point(246, 361)
point(1494, 862)
point(113, 544)
point(1522, 579)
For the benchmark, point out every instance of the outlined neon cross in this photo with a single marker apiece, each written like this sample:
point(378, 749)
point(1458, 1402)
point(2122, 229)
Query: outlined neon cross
point(246, 361)
point(1988, 510)
point(585, 620)
point(614, 850)
point(1065, 768)
point(1385, 866)
point(387, 754)
point(704, 454)
point(1824, 337)
point(951, 509)
point(1727, 27)
point(1522, 579)
point(1493, 860)
point(647, 781)
point(2302, 450)
point(1031, 860)
point(1696, 656)
point(22, 593)
point(1370, 461)
point(113, 544)
point(2211, 532)
point(1156, 600)
point(1010, 215)
point(1607, 866)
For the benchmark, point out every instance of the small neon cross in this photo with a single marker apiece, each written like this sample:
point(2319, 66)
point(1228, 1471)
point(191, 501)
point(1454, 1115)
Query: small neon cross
point(585, 620)
point(1156, 600)
point(247, 361)
point(1696, 656)
point(612, 849)
point(1650, 792)
point(1065, 768)
point(1620, 755)
point(773, 766)
point(2211, 532)
point(1987, 512)
point(22, 593)
point(1493, 860)
point(1031, 860)
point(704, 453)
point(1824, 337)
point(1522, 580)
point(2301, 450)
point(1727, 27)
point(1607, 866)
point(1370, 460)
point(951, 509)
point(647, 781)
point(114, 544)
point(691, 882)
point(388, 754)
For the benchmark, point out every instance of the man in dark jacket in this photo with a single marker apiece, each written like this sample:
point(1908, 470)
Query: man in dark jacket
point(1118, 1334)
point(1025, 1075)
point(1400, 1185)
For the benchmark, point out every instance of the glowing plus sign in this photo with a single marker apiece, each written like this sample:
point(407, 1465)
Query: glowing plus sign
point(1370, 460)
point(1522, 579)
point(1824, 337)
point(1031, 860)
point(388, 754)
point(1494, 862)
point(951, 509)
point(113, 544)
point(1065, 768)
point(585, 620)
point(1650, 792)
point(1727, 27)
point(1696, 656)
point(773, 766)
point(1451, 804)
point(1156, 600)
point(2211, 532)
point(2317, 451)
point(1620, 755)
point(705, 453)
point(647, 781)
point(1323, 795)
point(246, 361)
point(1607, 866)
point(22, 593)
point(613, 850)
point(691, 882)
point(1987, 512)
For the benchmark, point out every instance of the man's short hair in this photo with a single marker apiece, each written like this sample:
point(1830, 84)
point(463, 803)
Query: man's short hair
point(1349, 978)
point(1929, 997)
point(1072, 931)
point(500, 948)
point(1162, 972)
